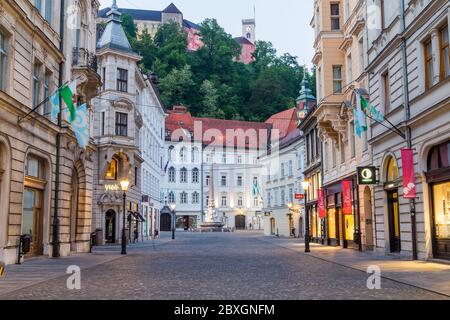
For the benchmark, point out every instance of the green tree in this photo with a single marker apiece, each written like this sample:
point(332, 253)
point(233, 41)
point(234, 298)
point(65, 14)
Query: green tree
point(177, 87)
point(171, 43)
point(210, 101)
point(129, 27)
point(147, 49)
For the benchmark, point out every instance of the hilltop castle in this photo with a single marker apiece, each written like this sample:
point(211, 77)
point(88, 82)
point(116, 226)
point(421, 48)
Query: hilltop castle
point(150, 20)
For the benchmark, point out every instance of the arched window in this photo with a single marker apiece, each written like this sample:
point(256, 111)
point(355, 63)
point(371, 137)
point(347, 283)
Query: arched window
point(183, 175)
point(249, 36)
point(170, 153)
point(183, 155)
point(391, 170)
point(195, 175)
point(111, 172)
point(194, 155)
point(184, 198)
point(195, 198)
point(171, 197)
point(172, 174)
point(439, 157)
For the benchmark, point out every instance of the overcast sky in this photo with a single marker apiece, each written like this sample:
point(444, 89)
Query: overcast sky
point(283, 22)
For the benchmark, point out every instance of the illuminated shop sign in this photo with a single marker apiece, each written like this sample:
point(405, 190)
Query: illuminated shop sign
point(367, 175)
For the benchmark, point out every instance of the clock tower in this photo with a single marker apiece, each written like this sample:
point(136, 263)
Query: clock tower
point(248, 30)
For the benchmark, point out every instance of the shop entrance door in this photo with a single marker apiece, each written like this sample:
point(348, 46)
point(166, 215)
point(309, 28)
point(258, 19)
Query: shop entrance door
point(394, 221)
point(32, 223)
point(166, 222)
point(240, 222)
point(110, 226)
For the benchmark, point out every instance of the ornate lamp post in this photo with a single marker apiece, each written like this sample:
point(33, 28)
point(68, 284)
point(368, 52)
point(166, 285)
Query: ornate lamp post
point(305, 185)
point(173, 206)
point(124, 184)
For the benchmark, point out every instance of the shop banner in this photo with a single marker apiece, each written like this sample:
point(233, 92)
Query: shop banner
point(347, 197)
point(321, 204)
point(409, 181)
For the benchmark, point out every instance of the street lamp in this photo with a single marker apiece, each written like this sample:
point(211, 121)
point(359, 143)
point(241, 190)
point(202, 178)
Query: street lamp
point(305, 185)
point(173, 206)
point(124, 184)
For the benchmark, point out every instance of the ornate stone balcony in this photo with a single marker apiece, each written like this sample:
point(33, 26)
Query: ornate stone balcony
point(84, 69)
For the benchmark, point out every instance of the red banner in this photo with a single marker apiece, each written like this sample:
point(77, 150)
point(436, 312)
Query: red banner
point(299, 196)
point(347, 197)
point(321, 204)
point(409, 180)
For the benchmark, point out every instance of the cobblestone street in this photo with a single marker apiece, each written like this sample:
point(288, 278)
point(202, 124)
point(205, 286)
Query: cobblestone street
point(219, 266)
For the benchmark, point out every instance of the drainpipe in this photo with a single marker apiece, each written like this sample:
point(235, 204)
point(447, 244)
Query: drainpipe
point(408, 135)
point(55, 230)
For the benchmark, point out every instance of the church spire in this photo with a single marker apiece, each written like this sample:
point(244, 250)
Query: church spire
point(306, 96)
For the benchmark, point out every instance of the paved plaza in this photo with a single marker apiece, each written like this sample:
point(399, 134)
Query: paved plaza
point(222, 266)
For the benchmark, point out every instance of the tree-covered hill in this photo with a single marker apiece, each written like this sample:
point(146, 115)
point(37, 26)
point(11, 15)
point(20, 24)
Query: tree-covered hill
point(210, 82)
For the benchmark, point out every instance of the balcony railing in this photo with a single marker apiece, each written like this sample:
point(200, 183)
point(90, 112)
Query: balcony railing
point(83, 58)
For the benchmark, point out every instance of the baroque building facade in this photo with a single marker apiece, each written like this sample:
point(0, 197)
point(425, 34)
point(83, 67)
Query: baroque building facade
point(209, 167)
point(395, 54)
point(46, 190)
point(409, 83)
point(118, 123)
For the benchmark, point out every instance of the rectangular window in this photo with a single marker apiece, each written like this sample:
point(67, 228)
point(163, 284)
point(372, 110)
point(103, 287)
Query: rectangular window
point(269, 199)
point(223, 181)
point(224, 201)
point(36, 85)
point(361, 55)
point(337, 79)
point(383, 14)
point(48, 11)
point(290, 170)
point(121, 124)
point(3, 60)
point(349, 69)
point(335, 16)
point(38, 5)
point(136, 176)
point(195, 175)
point(342, 148)
point(103, 123)
point(195, 198)
point(445, 53)
point(240, 202)
point(282, 170)
point(291, 195)
point(122, 80)
point(47, 78)
point(386, 92)
point(208, 179)
point(103, 79)
point(239, 181)
point(429, 64)
point(352, 140)
point(333, 155)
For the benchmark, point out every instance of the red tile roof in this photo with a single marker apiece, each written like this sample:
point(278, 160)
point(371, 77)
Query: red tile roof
point(214, 131)
point(285, 122)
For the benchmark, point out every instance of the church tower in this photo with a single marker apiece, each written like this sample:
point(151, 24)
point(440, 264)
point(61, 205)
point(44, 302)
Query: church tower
point(249, 29)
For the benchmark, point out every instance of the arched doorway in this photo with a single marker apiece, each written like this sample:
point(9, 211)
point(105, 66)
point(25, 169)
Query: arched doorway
point(391, 188)
point(110, 226)
point(165, 222)
point(239, 222)
point(368, 218)
point(74, 211)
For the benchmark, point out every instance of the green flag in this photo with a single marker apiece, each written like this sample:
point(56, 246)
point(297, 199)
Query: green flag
point(69, 96)
point(371, 110)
